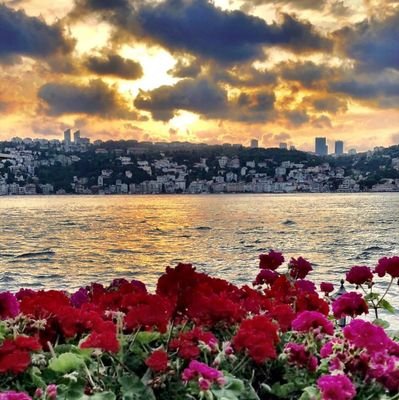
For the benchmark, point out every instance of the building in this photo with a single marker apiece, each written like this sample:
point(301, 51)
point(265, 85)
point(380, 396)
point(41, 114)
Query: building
point(339, 147)
point(254, 143)
point(283, 146)
point(76, 137)
point(321, 148)
point(67, 137)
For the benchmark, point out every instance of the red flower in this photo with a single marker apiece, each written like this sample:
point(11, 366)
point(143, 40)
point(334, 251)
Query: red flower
point(14, 354)
point(157, 361)
point(299, 268)
point(300, 356)
point(103, 338)
point(188, 343)
point(266, 276)
point(388, 266)
point(283, 315)
point(272, 260)
point(151, 311)
point(349, 304)
point(43, 304)
point(259, 337)
point(326, 287)
point(308, 301)
point(359, 275)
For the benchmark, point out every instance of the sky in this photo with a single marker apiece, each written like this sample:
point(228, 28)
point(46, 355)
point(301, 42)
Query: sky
point(222, 71)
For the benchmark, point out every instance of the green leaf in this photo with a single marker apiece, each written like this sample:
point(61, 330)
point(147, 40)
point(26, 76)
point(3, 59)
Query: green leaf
point(380, 322)
point(73, 391)
point(386, 305)
point(372, 296)
point(133, 388)
point(147, 337)
point(231, 390)
point(101, 396)
point(66, 362)
point(310, 393)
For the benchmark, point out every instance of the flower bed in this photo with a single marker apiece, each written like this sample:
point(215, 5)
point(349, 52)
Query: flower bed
point(200, 337)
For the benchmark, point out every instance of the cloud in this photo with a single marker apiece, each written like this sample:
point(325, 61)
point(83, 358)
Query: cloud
point(3, 106)
point(95, 98)
point(373, 43)
point(184, 69)
point(322, 122)
point(395, 138)
point(308, 73)
point(282, 136)
point(327, 103)
point(22, 35)
point(200, 28)
point(114, 65)
point(205, 97)
point(297, 4)
point(200, 96)
point(380, 88)
point(296, 117)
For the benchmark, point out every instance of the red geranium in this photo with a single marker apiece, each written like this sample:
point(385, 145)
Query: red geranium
point(359, 275)
point(259, 337)
point(14, 354)
point(309, 320)
point(388, 266)
point(104, 338)
point(349, 304)
point(272, 260)
point(157, 361)
point(299, 268)
point(326, 287)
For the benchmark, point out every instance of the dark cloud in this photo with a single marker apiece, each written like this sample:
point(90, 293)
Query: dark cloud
point(200, 28)
point(326, 103)
point(95, 98)
point(322, 122)
point(296, 117)
point(200, 96)
point(3, 106)
point(206, 98)
point(381, 88)
point(374, 44)
point(114, 65)
point(184, 69)
point(21, 35)
point(297, 4)
point(307, 73)
point(339, 9)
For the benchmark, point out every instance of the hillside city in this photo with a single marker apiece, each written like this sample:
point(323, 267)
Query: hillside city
point(77, 166)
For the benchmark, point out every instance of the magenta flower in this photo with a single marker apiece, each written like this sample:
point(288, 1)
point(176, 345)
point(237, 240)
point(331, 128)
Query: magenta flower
point(365, 335)
point(336, 387)
point(79, 298)
point(9, 306)
point(305, 286)
point(349, 304)
point(272, 260)
point(300, 356)
point(206, 375)
point(388, 266)
point(326, 287)
point(309, 320)
point(299, 268)
point(359, 275)
point(11, 395)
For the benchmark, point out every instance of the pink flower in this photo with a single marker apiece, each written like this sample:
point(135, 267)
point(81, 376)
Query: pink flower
point(299, 268)
point(206, 375)
point(309, 320)
point(51, 392)
point(336, 387)
point(365, 335)
point(388, 266)
point(272, 260)
point(349, 304)
point(359, 275)
point(326, 287)
point(11, 395)
point(9, 307)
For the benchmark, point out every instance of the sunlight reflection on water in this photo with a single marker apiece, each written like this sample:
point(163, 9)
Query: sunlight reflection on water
point(66, 241)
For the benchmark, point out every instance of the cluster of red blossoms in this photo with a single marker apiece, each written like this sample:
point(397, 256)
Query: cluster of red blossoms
point(195, 311)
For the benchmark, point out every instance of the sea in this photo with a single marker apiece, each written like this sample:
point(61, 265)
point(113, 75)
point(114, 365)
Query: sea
point(64, 242)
